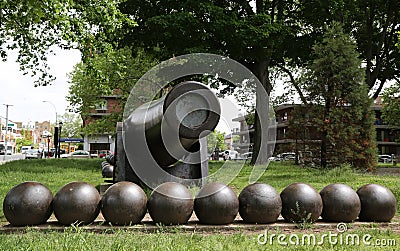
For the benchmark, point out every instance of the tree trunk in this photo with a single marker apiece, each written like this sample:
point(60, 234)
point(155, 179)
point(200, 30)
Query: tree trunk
point(260, 149)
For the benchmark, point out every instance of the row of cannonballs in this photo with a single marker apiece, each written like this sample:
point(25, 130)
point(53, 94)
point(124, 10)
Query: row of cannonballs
point(125, 203)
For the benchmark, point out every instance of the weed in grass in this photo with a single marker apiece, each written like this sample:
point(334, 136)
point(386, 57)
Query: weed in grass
point(305, 221)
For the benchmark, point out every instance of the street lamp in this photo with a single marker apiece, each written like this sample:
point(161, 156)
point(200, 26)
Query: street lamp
point(54, 132)
point(51, 103)
point(5, 139)
point(59, 138)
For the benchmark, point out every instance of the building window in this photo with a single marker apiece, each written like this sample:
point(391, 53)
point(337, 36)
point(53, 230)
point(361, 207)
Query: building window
point(101, 105)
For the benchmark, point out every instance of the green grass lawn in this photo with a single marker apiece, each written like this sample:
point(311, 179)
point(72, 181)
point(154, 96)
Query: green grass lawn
point(56, 173)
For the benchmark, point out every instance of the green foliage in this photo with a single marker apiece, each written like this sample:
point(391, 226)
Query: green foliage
point(341, 106)
point(253, 36)
point(72, 125)
point(215, 140)
point(34, 27)
point(112, 73)
point(26, 134)
point(373, 25)
point(391, 105)
point(23, 142)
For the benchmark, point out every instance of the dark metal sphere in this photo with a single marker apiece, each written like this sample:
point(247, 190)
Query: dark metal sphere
point(300, 202)
point(170, 203)
point(124, 203)
point(107, 171)
point(29, 203)
point(111, 159)
point(340, 203)
point(259, 203)
point(377, 203)
point(76, 202)
point(216, 203)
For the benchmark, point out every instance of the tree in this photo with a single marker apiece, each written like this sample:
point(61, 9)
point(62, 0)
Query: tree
point(339, 95)
point(23, 142)
point(252, 35)
point(391, 105)
point(108, 73)
point(72, 125)
point(373, 24)
point(391, 101)
point(215, 140)
point(33, 27)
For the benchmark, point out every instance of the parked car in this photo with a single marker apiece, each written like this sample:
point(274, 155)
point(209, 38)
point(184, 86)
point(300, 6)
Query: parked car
point(104, 153)
point(283, 157)
point(24, 149)
point(2, 149)
point(76, 155)
point(384, 158)
point(245, 156)
point(230, 154)
point(33, 154)
point(46, 153)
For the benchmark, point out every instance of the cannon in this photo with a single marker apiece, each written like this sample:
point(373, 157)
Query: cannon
point(165, 140)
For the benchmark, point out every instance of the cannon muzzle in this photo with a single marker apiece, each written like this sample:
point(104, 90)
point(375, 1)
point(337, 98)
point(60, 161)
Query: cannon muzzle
point(170, 127)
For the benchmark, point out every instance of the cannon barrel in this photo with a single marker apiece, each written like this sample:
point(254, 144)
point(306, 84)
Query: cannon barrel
point(174, 123)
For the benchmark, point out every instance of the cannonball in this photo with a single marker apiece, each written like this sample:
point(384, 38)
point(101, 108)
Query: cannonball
point(170, 203)
point(107, 171)
point(259, 203)
point(377, 203)
point(29, 203)
point(76, 202)
point(300, 203)
point(123, 203)
point(340, 203)
point(216, 203)
point(111, 159)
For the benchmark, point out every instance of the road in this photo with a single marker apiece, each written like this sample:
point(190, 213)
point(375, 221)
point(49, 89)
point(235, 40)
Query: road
point(8, 158)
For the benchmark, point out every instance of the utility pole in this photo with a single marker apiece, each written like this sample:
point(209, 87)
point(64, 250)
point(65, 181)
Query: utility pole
point(5, 138)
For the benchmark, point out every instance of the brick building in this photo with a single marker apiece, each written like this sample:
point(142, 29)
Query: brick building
point(106, 105)
point(305, 137)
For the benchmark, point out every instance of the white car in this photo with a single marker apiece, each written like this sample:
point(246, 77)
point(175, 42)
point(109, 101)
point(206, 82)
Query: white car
point(230, 154)
point(24, 149)
point(283, 156)
point(33, 154)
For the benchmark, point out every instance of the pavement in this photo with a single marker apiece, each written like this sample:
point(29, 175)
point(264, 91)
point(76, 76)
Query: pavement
point(8, 158)
point(194, 226)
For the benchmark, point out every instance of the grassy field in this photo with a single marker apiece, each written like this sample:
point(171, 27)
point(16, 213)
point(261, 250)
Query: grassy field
point(56, 173)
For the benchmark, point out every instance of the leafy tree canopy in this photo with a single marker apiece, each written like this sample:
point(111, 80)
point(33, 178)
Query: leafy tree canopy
point(391, 105)
point(374, 26)
point(33, 27)
point(112, 73)
point(216, 141)
point(72, 125)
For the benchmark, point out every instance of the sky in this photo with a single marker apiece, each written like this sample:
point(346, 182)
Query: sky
point(27, 103)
